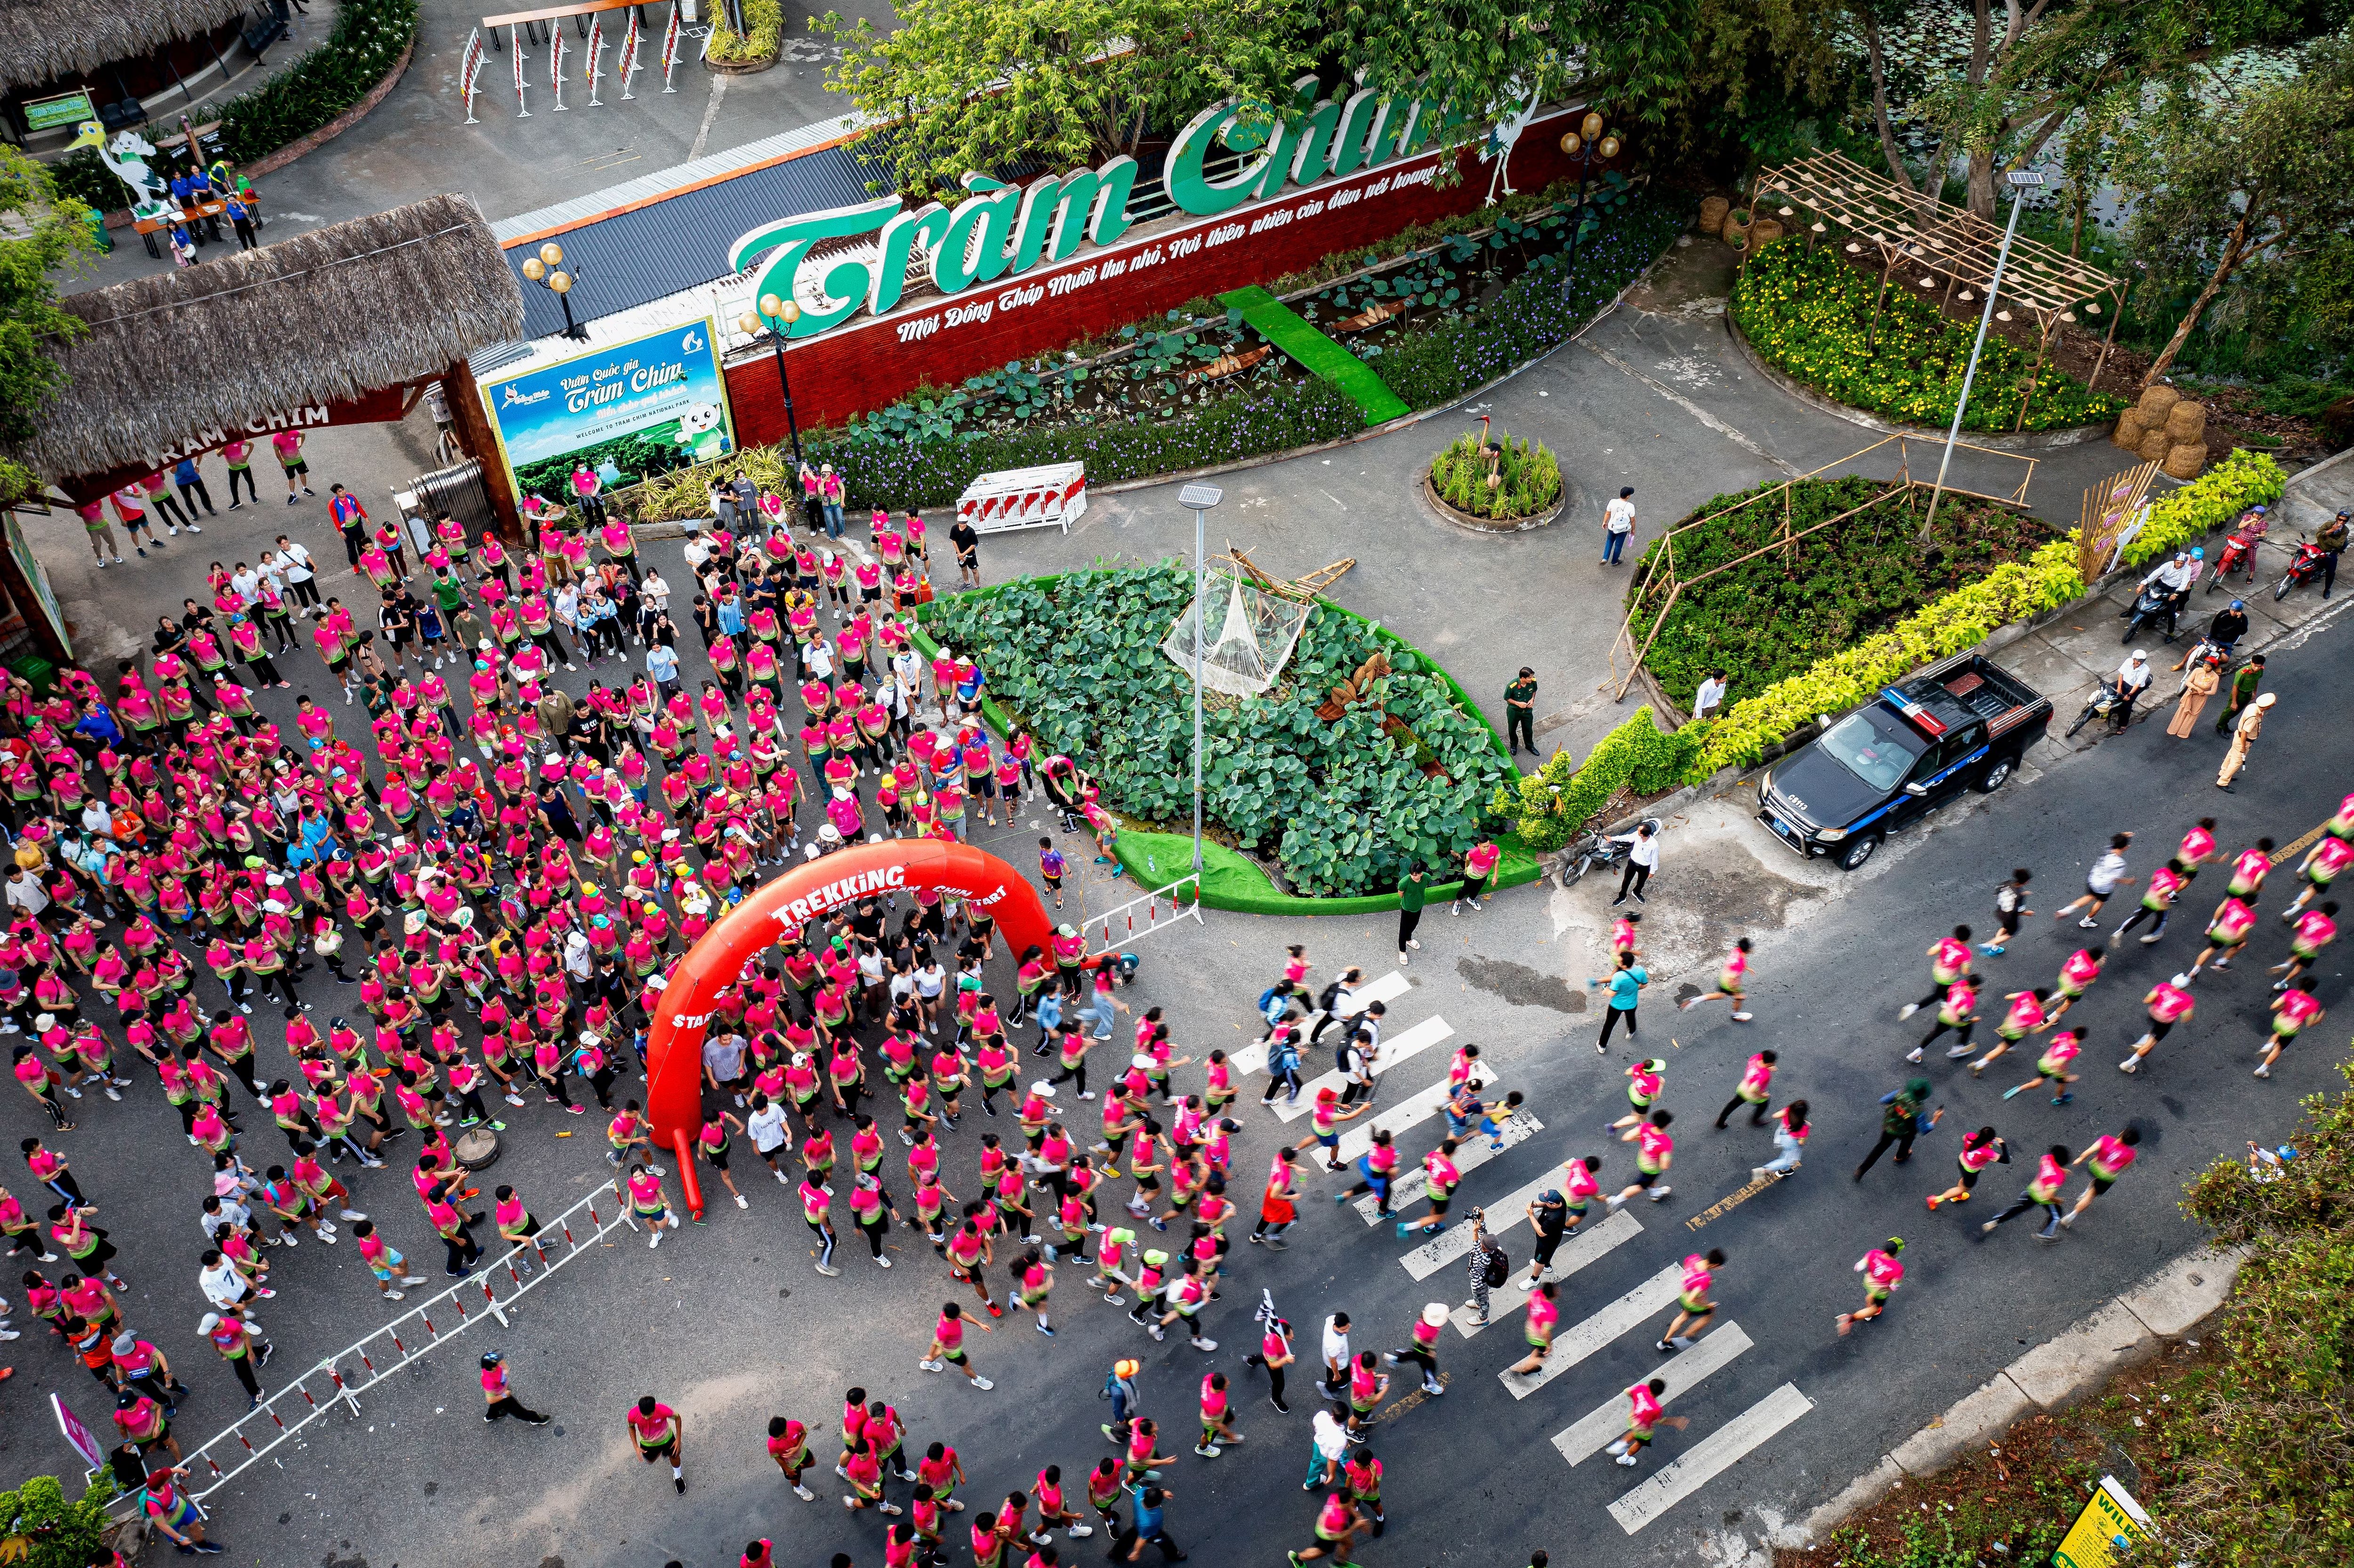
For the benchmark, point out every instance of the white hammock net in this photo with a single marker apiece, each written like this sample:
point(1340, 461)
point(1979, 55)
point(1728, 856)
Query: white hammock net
point(1249, 633)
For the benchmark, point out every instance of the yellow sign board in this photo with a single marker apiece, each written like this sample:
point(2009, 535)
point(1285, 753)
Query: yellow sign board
point(2111, 1518)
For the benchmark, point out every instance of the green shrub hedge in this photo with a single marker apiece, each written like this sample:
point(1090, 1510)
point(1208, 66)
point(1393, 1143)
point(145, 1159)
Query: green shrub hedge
point(1551, 806)
point(1528, 477)
point(1340, 806)
point(368, 39)
point(765, 18)
point(1807, 313)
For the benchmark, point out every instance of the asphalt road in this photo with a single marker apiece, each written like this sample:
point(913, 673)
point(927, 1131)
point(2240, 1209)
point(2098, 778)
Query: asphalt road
point(729, 1324)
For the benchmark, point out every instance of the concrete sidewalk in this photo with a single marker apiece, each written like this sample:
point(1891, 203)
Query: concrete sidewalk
point(2165, 1304)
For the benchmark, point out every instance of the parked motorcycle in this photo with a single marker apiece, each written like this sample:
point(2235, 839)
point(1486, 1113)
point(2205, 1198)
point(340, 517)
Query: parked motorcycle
point(1590, 849)
point(2108, 703)
point(2239, 549)
point(2153, 604)
point(2302, 570)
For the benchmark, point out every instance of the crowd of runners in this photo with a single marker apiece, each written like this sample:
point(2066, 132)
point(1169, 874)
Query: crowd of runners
point(496, 879)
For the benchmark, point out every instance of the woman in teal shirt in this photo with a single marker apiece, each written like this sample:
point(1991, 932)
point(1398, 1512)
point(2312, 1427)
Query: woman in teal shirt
point(1629, 979)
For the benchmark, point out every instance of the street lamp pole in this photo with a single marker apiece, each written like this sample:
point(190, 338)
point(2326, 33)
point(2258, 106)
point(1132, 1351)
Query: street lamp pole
point(774, 312)
point(547, 270)
point(2021, 181)
point(1199, 498)
point(1582, 144)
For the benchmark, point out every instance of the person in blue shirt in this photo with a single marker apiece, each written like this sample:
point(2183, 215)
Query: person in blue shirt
point(661, 663)
point(1145, 1526)
point(1625, 985)
point(240, 218)
point(97, 721)
point(191, 481)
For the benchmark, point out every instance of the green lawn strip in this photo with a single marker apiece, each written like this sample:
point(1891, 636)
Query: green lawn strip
point(1282, 326)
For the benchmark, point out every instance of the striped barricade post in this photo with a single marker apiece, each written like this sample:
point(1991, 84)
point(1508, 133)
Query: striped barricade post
point(556, 69)
point(1123, 916)
point(632, 41)
point(596, 59)
point(670, 48)
point(523, 109)
point(470, 68)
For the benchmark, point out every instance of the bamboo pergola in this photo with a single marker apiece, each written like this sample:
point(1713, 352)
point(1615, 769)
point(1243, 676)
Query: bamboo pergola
point(1663, 573)
point(1933, 240)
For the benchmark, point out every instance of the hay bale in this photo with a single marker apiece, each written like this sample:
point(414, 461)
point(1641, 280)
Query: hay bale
point(2187, 421)
point(2155, 446)
point(2184, 459)
point(2129, 430)
point(1764, 232)
point(2156, 402)
point(1711, 214)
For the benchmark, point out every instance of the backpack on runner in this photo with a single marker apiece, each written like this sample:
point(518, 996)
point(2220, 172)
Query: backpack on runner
point(1499, 1267)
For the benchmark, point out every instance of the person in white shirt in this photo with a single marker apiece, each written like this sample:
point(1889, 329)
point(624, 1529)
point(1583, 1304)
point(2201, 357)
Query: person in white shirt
point(1618, 526)
point(25, 892)
point(223, 1285)
point(1643, 859)
point(300, 572)
point(1710, 696)
point(767, 1126)
point(655, 592)
point(1336, 1351)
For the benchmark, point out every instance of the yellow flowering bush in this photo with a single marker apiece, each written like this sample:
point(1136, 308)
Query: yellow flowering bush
point(1808, 315)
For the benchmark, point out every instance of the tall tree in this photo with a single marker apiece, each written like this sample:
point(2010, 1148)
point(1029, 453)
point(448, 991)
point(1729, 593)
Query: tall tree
point(2023, 70)
point(40, 233)
point(983, 84)
point(2225, 180)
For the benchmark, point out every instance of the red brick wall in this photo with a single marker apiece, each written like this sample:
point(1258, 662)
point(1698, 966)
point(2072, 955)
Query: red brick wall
point(864, 367)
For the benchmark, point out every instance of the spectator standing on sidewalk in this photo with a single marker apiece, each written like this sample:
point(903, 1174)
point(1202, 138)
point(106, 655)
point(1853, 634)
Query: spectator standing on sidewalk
point(1519, 713)
point(1618, 526)
point(1642, 859)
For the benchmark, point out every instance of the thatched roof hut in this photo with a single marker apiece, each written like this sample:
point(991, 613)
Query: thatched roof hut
point(42, 40)
point(334, 313)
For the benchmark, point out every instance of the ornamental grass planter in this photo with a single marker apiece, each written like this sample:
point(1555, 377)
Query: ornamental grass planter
point(1477, 524)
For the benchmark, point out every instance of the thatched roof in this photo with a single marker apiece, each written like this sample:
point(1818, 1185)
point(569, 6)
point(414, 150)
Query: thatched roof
point(41, 41)
point(334, 313)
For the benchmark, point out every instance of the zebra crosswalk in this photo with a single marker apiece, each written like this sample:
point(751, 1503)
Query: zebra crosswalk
point(1642, 1306)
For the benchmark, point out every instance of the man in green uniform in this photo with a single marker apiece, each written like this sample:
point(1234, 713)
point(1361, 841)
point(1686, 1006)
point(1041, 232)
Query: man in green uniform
point(2243, 691)
point(1519, 713)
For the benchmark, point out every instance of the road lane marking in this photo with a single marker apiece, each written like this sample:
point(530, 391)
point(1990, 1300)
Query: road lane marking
point(1589, 1334)
point(1579, 1250)
point(1455, 1242)
point(1709, 1457)
point(1251, 1058)
point(1600, 1427)
point(1410, 1043)
point(1409, 1112)
point(1415, 1185)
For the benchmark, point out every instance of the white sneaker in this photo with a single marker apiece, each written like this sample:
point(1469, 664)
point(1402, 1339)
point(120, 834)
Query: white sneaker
point(742, 1202)
point(654, 1241)
point(1656, 1193)
point(983, 1384)
point(933, 1366)
point(2088, 924)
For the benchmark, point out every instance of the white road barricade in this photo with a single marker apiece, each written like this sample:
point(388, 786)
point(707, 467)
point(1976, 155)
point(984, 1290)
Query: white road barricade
point(496, 1284)
point(1051, 495)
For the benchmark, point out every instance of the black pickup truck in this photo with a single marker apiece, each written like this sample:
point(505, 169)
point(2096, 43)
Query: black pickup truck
point(1958, 723)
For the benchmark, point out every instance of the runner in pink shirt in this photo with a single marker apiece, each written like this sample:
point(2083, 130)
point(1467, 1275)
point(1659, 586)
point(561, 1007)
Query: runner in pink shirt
point(1949, 960)
point(2108, 1157)
point(2292, 1010)
point(1643, 1419)
point(2320, 868)
point(2169, 1003)
point(1728, 982)
point(2226, 931)
point(2316, 929)
point(2077, 973)
point(1881, 1275)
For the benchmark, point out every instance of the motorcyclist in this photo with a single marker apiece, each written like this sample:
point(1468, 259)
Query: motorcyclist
point(2133, 678)
point(2246, 534)
point(2229, 626)
point(2176, 578)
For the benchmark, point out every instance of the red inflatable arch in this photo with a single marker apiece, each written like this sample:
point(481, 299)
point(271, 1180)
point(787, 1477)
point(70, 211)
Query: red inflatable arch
point(675, 1046)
